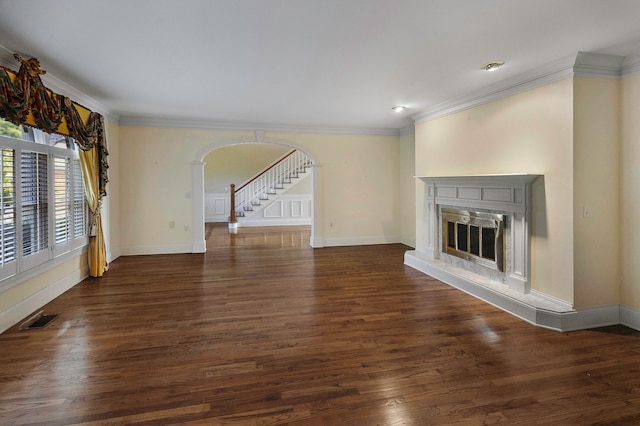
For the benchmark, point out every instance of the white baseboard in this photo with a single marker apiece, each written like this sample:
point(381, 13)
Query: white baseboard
point(113, 255)
point(22, 310)
point(582, 319)
point(360, 241)
point(159, 249)
point(317, 242)
point(411, 242)
point(273, 222)
point(630, 317)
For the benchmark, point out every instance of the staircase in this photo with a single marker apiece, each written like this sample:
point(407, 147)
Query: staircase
point(269, 183)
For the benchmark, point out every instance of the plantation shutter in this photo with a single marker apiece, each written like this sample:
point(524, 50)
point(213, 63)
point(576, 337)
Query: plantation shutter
point(79, 205)
point(63, 201)
point(7, 210)
point(35, 218)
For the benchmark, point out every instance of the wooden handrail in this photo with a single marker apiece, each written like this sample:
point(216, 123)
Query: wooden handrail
point(275, 163)
point(232, 215)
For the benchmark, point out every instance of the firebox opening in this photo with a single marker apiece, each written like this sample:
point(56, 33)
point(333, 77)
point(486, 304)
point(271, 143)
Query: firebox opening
point(474, 236)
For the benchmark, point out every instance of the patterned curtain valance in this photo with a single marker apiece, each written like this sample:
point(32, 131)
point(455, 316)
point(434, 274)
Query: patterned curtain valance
point(24, 100)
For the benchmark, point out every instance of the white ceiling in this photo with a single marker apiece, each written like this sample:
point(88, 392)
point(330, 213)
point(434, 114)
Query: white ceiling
point(303, 63)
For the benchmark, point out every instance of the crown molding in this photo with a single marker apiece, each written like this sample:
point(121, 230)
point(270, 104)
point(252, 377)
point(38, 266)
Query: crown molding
point(582, 64)
point(409, 130)
point(631, 66)
point(186, 123)
point(56, 85)
point(597, 65)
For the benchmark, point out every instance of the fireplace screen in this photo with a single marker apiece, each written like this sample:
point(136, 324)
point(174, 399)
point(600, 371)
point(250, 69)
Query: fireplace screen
point(474, 236)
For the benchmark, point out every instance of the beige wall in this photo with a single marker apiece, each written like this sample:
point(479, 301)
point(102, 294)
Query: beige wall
point(237, 163)
point(360, 177)
point(596, 157)
point(630, 193)
point(531, 133)
point(407, 189)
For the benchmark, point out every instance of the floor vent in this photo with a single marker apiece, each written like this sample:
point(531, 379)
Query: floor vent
point(39, 320)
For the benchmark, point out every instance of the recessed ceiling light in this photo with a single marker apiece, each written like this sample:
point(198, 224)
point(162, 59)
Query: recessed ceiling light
point(399, 108)
point(492, 66)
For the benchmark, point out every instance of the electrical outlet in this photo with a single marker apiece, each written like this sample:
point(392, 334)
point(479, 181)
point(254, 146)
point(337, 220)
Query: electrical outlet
point(172, 224)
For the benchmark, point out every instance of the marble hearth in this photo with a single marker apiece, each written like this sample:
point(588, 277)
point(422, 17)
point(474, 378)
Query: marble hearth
point(504, 197)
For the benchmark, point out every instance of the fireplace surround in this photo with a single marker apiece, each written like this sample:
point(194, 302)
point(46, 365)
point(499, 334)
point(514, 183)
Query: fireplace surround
point(499, 198)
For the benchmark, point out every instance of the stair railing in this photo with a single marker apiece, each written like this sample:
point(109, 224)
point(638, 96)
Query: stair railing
point(268, 181)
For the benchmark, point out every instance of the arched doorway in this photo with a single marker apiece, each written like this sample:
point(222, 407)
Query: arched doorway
point(197, 166)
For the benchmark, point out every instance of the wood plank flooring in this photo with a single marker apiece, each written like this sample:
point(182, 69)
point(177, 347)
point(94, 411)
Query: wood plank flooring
point(264, 330)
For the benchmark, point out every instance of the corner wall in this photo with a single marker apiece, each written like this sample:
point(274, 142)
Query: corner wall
point(630, 193)
point(530, 132)
point(407, 189)
point(596, 158)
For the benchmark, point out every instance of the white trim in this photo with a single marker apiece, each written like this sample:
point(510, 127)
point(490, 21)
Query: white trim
point(187, 123)
point(552, 300)
point(630, 317)
point(23, 309)
point(409, 130)
point(361, 241)
point(198, 243)
point(600, 316)
point(273, 222)
point(273, 210)
point(598, 65)
point(296, 206)
point(631, 66)
point(113, 255)
point(157, 249)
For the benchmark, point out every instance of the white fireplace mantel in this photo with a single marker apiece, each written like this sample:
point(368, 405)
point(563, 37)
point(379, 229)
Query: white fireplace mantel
point(507, 193)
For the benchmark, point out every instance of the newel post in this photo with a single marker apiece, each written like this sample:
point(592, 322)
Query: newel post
point(233, 222)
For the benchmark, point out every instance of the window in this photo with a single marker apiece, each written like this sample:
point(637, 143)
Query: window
point(42, 204)
point(70, 208)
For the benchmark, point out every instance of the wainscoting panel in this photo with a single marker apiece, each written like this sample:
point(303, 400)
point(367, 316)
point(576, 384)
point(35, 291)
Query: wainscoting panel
point(216, 207)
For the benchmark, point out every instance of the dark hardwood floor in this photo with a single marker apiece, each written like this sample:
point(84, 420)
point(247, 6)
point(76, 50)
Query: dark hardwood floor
point(264, 330)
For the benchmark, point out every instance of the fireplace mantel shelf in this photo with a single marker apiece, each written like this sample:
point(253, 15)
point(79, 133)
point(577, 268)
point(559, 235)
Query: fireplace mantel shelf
point(507, 178)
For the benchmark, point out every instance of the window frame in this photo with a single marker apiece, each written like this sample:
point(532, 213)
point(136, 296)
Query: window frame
point(22, 267)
